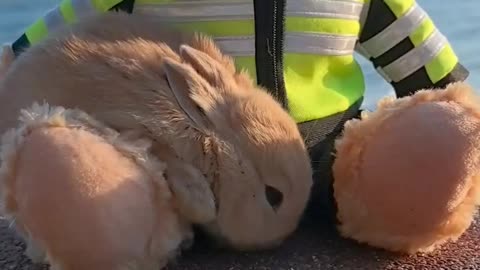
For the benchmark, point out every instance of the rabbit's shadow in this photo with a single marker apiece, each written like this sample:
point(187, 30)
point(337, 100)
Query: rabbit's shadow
point(315, 245)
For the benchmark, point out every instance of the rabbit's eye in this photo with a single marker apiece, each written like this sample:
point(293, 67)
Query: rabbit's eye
point(274, 197)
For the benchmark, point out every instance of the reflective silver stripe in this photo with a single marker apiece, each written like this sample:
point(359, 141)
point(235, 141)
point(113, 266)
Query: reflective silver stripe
point(83, 8)
point(360, 50)
point(324, 9)
point(237, 46)
point(215, 11)
point(199, 10)
point(395, 32)
point(364, 14)
point(320, 44)
point(54, 19)
point(416, 58)
point(383, 74)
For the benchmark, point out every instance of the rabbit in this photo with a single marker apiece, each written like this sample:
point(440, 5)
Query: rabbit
point(252, 171)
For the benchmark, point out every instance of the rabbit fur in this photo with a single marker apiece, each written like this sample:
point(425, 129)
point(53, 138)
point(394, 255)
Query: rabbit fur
point(252, 172)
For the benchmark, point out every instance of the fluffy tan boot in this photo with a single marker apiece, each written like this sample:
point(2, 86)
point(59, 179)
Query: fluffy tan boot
point(86, 197)
point(407, 176)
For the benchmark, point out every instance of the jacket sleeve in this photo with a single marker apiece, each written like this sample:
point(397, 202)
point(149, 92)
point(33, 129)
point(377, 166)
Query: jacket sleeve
point(406, 48)
point(67, 12)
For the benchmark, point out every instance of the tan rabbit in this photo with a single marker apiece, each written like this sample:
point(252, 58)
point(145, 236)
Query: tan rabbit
point(235, 160)
point(248, 149)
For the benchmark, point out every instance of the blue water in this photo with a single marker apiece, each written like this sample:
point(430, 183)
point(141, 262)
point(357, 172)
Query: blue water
point(458, 20)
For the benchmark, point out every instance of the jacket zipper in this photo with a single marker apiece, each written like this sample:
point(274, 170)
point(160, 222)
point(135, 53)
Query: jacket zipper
point(269, 41)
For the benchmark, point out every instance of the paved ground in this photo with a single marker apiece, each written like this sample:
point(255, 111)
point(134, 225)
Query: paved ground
point(313, 247)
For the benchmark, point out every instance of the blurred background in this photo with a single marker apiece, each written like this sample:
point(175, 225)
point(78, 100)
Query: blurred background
point(459, 21)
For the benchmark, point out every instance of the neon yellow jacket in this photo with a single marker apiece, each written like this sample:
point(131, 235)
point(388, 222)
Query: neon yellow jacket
point(301, 50)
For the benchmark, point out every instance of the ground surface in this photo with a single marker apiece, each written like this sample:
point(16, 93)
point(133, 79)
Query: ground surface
point(313, 247)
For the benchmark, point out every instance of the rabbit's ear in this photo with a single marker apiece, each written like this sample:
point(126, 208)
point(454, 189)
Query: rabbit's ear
point(215, 72)
point(206, 44)
point(192, 93)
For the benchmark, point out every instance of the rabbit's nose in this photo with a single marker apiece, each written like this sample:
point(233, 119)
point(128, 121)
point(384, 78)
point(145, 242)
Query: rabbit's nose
point(274, 197)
